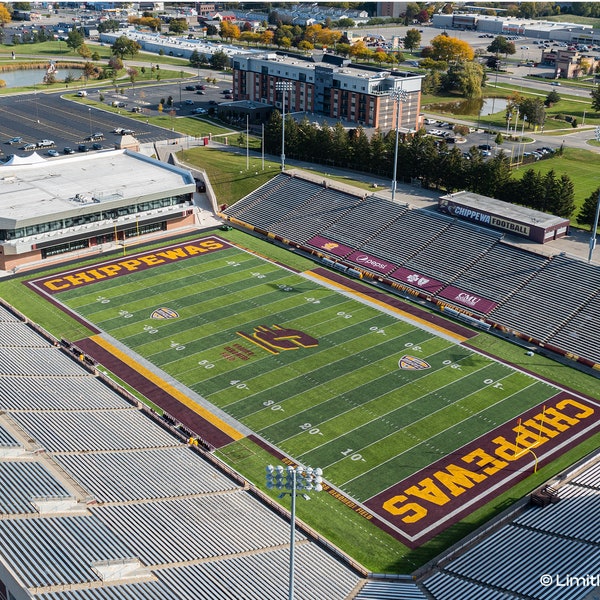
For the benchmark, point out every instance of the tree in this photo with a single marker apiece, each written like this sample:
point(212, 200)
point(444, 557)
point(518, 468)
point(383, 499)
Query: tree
point(195, 60)
point(533, 110)
point(211, 30)
point(115, 63)
point(466, 77)
point(84, 51)
point(250, 37)
point(123, 45)
point(5, 16)
point(266, 37)
point(74, 39)
point(500, 45)
point(229, 31)
point(587, 212)
point(178, 26)
point(412, 39)
point(595, 94)
point(219, 60)
point(551, 99)
point(565, 204)
point(346, 23)
point(450, 49)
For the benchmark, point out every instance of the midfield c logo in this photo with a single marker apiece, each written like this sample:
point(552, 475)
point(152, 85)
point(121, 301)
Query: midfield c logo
point(276, 339)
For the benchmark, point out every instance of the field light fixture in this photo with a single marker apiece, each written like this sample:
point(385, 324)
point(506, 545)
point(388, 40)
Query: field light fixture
point(283, 87)
point(293, 481)
point(399, 96)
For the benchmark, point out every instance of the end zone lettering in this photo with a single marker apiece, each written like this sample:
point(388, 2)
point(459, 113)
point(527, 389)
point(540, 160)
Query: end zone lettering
point(138, 262)
point(439, 495)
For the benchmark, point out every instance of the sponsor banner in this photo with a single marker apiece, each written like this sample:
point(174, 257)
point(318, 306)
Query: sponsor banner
point(60, 282)
point(459, 296)
point(446, 491)
point(371, 263)
point(417, 280)
point(329, 246)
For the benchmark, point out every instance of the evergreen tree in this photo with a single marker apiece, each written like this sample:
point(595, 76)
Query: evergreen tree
point(565, 206)
point(587, 213)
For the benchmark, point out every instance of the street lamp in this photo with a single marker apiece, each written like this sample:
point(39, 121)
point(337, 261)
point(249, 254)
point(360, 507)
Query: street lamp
point(399, 96)
point(90, 118)
point(283, 87)
point(296, 480)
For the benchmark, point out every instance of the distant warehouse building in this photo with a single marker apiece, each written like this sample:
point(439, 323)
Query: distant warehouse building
point(74, 204)
point(510, 218)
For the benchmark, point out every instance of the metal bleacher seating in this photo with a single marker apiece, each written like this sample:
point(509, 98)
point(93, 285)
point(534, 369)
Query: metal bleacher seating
point(452, 251)
point(347, 230)
point(551, 298)
point(500, 271)
point(323, 209)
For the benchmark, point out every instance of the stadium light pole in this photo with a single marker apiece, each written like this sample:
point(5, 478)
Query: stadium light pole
point(399, 96)
point(283, 87)
point(297, 480)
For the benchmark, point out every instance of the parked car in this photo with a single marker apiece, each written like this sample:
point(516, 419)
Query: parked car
point(189, 102)
point(29, 147)
point(212, 102)
point(68, 150)
point(200, 87)
point(94, 137)
point(200, 111)
point(190, 88)
point(555, 83)
point(228, 96)
point(45, 143)
point(485, 147)
point(96, 146)
point(201, 92)
point(15, 140)
point(82, 148)
point(52, 152)
point(119, 104)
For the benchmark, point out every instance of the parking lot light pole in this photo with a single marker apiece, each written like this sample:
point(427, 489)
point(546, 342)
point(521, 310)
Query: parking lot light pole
point(283, 87)
point(297, 480)
point(399, 96)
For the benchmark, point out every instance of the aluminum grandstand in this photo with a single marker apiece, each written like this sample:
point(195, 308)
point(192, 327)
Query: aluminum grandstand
point(467, 270)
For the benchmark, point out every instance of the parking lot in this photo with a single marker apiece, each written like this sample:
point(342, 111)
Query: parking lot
point(68, 123)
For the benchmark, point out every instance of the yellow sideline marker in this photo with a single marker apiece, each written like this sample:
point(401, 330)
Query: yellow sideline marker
point(407, 315)
point(172, 391)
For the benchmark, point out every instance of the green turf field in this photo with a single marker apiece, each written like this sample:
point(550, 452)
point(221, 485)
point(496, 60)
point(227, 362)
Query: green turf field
point(341, 403)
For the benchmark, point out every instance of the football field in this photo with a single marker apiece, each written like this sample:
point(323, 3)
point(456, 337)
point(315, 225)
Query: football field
point(404, 419)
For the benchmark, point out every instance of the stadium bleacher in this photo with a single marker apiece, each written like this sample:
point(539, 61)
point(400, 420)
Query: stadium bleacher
point(552, 300)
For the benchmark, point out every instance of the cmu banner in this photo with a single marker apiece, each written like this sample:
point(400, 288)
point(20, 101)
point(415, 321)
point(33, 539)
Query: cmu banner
point(459, 296)
point(443, 493)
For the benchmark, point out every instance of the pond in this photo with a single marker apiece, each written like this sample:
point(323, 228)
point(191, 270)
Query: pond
point(474, 107)
point(26, 77)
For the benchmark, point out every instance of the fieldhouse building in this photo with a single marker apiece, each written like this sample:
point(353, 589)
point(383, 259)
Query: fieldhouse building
point(509, 218)
point(77, 203)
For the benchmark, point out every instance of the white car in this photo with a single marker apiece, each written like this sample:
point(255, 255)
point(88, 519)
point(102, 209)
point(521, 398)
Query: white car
point(200, 111)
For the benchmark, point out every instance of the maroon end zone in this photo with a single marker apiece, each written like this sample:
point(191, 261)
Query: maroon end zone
point(443, 493)
point(59, 282)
